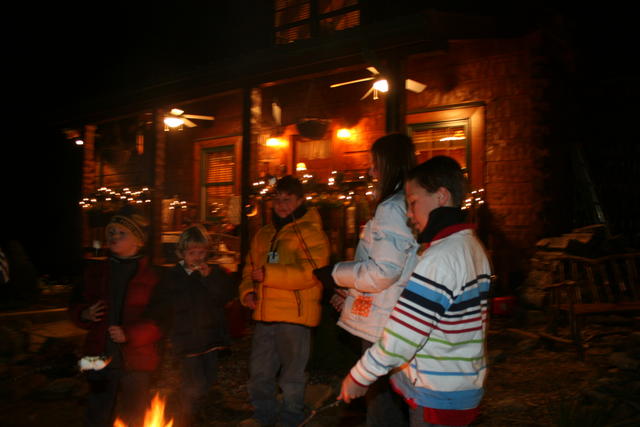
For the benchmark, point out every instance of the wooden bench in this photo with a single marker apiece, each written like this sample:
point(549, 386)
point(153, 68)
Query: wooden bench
point(590, 286)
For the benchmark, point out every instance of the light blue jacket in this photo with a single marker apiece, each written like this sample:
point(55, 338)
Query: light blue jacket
point(384, 260)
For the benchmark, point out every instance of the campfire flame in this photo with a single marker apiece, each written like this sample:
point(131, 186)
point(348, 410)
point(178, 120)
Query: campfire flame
point(154, 417)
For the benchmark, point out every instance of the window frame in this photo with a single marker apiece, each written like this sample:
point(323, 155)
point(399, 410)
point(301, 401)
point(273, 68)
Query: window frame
point(313, 21)
point(201, 147)
point(474, 114)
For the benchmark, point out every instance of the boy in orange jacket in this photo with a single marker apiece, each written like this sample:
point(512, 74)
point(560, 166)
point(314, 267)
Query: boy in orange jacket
point(279, 286)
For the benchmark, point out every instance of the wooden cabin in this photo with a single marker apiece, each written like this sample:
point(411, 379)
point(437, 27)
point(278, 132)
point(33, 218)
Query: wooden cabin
point(300, 97)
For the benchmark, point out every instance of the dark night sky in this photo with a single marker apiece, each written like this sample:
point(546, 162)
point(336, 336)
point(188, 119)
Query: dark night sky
point(66, 53)
point(60, 57)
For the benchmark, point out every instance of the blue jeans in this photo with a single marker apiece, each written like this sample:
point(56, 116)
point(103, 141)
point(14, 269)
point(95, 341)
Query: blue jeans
point(279, 348)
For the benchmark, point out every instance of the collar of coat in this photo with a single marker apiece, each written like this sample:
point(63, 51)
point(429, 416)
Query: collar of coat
point(443, 222)
point(278, 222)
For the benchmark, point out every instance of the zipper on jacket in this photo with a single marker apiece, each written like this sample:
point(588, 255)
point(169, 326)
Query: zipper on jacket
point(299, 302)
point(272, 245)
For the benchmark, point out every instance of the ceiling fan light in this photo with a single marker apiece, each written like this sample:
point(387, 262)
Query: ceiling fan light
point(381, 85)
point(173, 122)
point(176, 111)
point(344, 133)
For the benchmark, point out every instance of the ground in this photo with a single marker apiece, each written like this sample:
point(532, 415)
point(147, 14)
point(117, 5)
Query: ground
point(530, 382)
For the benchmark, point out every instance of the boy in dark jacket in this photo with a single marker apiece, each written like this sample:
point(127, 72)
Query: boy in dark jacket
point(189, 305)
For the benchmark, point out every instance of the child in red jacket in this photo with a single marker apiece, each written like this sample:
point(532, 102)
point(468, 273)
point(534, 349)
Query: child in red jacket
point(110, 305)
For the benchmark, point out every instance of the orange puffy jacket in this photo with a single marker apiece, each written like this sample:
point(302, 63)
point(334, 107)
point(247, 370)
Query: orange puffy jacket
point(290, 292)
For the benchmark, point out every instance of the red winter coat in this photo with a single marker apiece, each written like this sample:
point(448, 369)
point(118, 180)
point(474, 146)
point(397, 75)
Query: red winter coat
point(139, 351)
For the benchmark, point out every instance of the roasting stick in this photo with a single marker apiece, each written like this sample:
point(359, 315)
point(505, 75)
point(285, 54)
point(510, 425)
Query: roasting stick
point(320, 409)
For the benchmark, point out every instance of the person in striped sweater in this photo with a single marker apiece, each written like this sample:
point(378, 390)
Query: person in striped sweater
point(434, 340)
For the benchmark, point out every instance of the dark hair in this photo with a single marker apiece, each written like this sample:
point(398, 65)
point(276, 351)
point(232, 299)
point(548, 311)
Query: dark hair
point(290, 185)
point(441, 171)
point(394, 156)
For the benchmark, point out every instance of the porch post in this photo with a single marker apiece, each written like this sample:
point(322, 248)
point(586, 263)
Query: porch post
point(88, 176)
point(158, 188)
point(396, 96)
point(247, 138)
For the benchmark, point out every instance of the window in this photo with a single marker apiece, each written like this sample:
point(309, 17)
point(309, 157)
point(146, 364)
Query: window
point(438, 131)
point(301, 19)
point(218, 170)
point(446, 138)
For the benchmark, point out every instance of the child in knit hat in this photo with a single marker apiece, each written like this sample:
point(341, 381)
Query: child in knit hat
point(189, 306)
point(110, 305)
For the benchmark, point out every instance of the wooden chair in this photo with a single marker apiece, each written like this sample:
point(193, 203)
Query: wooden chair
point(590, 286)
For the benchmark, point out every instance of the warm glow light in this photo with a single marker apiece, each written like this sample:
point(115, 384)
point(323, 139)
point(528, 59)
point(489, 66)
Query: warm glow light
point(301, 167)
point(381, 85)
point(154, 417)
point(173, 122)
point(276, 142)
point(176, 111)
point(79, 141)
point(458, 135)
point(344, 133)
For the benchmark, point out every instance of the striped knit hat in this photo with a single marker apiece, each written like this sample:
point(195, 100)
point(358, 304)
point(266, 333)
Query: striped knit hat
point(133, 221)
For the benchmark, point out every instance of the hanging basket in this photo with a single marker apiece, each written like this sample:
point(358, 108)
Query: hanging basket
point(312, 128)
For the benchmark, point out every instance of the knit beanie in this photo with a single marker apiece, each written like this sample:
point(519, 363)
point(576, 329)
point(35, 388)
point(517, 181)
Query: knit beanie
point(132, 220)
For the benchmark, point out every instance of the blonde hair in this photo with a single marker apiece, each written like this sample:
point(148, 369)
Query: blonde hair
point(195, 234)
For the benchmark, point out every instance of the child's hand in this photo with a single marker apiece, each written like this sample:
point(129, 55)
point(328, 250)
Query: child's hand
point(351, 390)
point(117, 334)
point(250, 300)
point(203, 268)
point(94, 312)
point(258, 275)
point(337, 301)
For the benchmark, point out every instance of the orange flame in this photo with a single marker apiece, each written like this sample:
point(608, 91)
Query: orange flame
point(154, 417)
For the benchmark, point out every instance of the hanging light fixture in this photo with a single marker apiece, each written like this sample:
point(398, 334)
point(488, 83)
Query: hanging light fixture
point(381, 85)
point(177, 119)
point(74, 135)
point(276, 142)
point(173, 122)
point(344, 133)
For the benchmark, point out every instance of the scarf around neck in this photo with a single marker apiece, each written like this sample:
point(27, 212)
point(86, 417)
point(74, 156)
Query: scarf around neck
point(440, 219)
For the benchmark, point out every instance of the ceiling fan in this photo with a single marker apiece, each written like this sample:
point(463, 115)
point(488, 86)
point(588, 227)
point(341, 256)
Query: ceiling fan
point(381, 85)
point(177, 118)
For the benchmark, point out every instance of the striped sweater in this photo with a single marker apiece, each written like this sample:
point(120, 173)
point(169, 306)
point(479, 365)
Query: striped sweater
point(435, 338)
